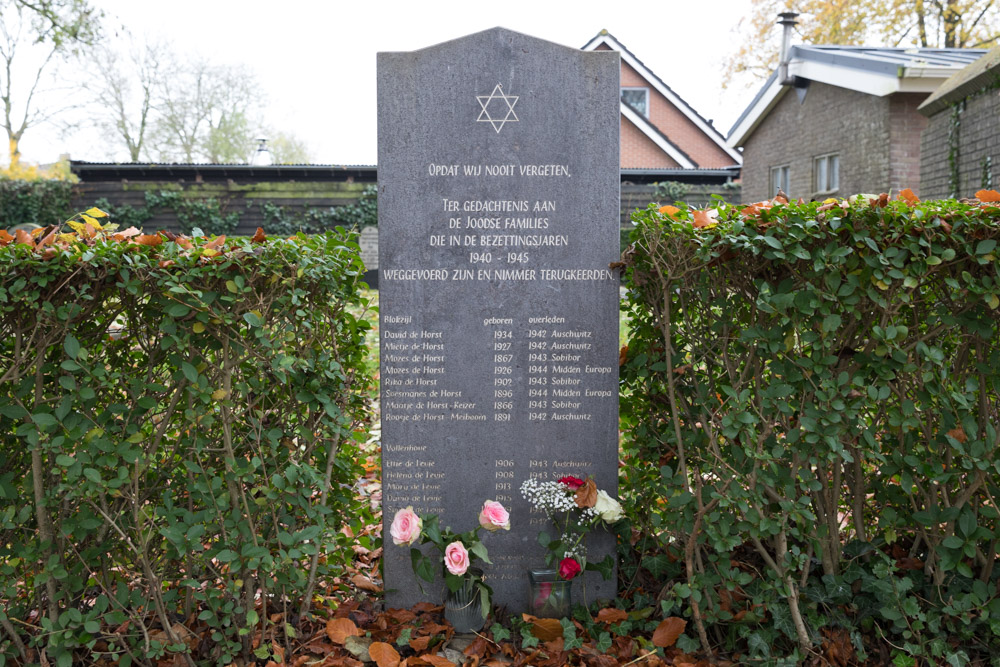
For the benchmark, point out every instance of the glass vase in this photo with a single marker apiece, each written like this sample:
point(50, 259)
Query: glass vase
point(463, 608)
point(550, 595)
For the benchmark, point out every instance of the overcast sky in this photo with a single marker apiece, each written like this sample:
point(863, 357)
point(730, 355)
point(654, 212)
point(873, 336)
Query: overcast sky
point(316, 60)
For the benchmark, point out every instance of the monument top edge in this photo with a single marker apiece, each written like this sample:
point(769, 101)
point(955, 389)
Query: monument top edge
point(495, 34)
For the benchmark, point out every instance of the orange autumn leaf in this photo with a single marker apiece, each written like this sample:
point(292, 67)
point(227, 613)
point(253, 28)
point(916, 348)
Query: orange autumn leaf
point(705, 218)
point(47, 239)
point(420, 643)
point(5, 237)
point(24, 237)
point(623, 355)
point(669, 210)
point(611, 615)
point(668, 631)
point(149, 239)
point(908, 196)
point(958, 433)
point(258, 237)
point(216, 242)
point(586, 496)
point(546, 629)
point(988, 196)
point(339, 629)
point(384, 654)
point(437, 660)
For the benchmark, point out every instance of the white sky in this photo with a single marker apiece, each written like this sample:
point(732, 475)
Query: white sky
point(316, 59)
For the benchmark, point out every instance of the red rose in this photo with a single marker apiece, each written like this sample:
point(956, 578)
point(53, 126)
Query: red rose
point(568, 568)
point(573, 483)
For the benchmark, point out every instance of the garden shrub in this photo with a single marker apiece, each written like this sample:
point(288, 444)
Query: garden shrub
point(179, 421)
point(42, 202)
point(811, 410)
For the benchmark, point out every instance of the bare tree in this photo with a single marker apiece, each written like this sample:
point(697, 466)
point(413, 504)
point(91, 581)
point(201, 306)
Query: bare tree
point(125, 85)
point(207, 112)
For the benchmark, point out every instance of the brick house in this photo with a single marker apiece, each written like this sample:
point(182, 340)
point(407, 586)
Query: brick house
point(839, 120)
point(960, 147)
point(659, 130)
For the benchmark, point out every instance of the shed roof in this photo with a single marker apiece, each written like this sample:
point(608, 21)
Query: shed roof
point(969, 80)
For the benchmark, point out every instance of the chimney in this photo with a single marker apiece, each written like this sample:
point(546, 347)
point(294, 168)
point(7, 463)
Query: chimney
point(787, 21)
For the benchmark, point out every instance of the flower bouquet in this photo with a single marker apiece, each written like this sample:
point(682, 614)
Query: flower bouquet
point(459, 551)
point(575, 506)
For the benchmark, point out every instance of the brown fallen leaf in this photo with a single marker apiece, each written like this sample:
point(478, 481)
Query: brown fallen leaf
point(669, 210)
point(988, 196)
point(383, 654)
point(546, 629)
point(611, 615)
point(149, 239)
point(5, 237)
point(365, 584)
point(437, 660)
point(24, 237)
point(705, 218)
point(958, 433)
point(215, 243)
point(339, 629)
point(908, 196)
point(258, 237)
point(586, 495)
point(668, 631)
point(622, 355)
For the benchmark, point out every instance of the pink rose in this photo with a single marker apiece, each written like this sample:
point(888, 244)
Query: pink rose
point(494, 516)
point(406, 527)
point(456, 558)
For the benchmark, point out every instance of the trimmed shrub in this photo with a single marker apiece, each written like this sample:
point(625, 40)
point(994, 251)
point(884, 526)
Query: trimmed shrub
point(812, 424)
point(179, 420)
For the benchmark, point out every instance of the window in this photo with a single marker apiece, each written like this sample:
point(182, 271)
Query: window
point(826, 169)
point(637, 98)
point(779, 179)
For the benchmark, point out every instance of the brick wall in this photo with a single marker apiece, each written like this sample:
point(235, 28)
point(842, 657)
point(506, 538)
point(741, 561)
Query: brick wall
point(673, 123)
point(905, 127)
point(639, 152)
point(978, 138)
point(828, 120)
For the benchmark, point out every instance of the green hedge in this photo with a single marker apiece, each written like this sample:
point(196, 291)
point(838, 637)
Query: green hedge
point(811, 414)
point(41, 202)
point(179, 422)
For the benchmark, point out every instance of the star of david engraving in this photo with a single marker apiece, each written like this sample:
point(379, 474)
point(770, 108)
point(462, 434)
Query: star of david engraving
point(498, 108)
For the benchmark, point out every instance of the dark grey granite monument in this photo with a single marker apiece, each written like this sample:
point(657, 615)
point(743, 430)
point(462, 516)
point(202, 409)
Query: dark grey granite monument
point(498, 218)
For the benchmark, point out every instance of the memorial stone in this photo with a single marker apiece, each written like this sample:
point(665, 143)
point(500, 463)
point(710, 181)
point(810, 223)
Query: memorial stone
point(498, 218)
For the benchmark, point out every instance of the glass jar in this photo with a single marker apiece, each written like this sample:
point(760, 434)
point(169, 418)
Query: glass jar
point(463, 608)
point(550, 595)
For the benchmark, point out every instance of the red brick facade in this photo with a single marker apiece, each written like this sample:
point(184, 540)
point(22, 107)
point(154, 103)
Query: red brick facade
point(638, 151)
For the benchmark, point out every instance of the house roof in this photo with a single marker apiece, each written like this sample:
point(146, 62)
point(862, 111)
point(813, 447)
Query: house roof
point(606, 38)
point(872, 70)
point(969, 80)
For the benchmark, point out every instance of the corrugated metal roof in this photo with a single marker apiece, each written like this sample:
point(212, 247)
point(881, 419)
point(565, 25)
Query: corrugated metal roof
point(884, 59)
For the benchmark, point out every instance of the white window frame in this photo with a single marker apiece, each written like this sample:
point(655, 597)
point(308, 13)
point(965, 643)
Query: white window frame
point(635, 88)
point(826, 173)
point(780, 178)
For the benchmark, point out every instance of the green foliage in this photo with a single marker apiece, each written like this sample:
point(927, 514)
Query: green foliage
point(179, 424)
point(671, 191)
point(811, 425)
point(43, 202)
point(212, 216)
